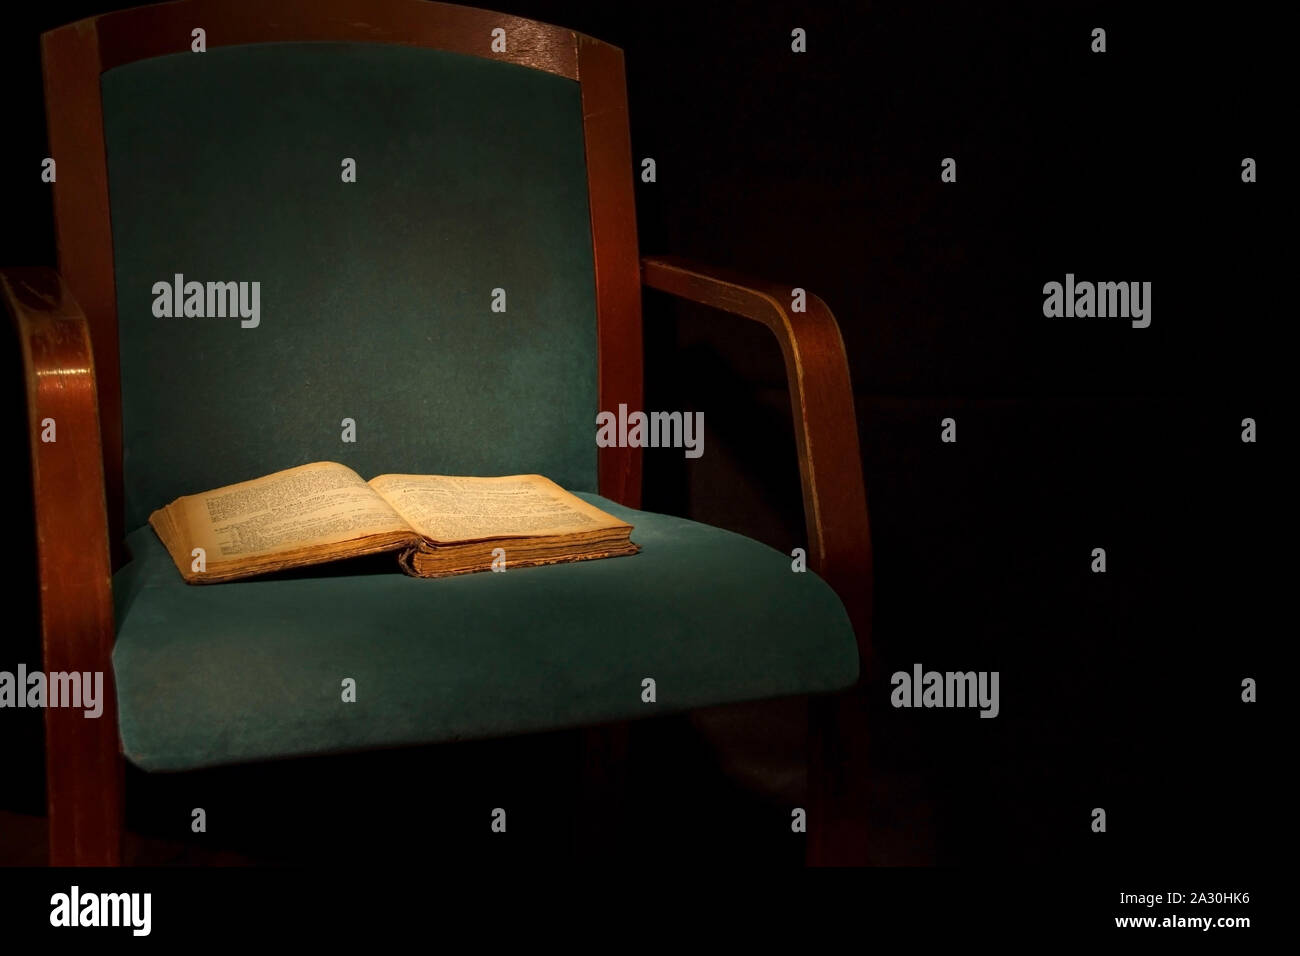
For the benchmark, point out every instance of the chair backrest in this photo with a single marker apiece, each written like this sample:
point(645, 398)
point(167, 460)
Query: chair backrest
point(346, 220)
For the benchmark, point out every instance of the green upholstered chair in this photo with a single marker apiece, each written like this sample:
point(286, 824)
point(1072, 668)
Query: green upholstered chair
point(490, 153)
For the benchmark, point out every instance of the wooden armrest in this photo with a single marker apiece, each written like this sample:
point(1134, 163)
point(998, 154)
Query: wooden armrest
point(825, 425)
point(71, 550)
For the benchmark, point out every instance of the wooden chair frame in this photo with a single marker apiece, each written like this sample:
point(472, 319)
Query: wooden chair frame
point(67, 325)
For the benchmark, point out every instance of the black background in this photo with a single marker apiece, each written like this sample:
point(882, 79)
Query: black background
point(822, 170)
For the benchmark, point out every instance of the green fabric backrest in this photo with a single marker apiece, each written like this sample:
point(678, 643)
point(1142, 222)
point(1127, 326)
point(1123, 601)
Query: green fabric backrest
point(375, 296)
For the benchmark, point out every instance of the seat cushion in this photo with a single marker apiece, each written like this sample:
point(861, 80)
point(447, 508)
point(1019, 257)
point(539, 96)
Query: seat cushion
point(252, 670)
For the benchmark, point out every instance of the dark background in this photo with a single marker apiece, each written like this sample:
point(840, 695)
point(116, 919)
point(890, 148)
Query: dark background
point(822, 170)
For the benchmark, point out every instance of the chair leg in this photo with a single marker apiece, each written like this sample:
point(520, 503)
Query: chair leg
point(837, 782)
point(603, 802)
point(84, 777)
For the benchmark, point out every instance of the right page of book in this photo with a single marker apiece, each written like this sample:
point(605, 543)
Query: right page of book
point(447, 509)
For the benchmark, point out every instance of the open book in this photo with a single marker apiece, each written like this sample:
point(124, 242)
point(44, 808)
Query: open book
point(441, 525)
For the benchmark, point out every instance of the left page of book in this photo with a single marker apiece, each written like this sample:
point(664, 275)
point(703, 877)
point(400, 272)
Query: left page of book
point(305, 515)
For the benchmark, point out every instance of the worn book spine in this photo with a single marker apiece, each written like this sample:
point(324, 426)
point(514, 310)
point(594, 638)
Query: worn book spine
point(406, 561)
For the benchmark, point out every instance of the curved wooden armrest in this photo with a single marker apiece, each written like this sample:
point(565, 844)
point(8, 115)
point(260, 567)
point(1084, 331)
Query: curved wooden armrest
point(825, 425)
point(72, 554)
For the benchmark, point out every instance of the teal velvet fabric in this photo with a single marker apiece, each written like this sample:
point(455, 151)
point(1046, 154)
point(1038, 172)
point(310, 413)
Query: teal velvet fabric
point(217, 674)
point(375, 296)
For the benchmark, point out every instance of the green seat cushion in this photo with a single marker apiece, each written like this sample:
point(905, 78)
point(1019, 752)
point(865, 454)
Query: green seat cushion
point(252, 670)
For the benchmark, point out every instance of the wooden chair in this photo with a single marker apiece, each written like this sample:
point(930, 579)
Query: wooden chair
point(477, 169)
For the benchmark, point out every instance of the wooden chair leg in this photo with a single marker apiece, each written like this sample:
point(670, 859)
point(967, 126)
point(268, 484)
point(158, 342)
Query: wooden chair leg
point(84, 778)
point(604, 798)
point(837, 782)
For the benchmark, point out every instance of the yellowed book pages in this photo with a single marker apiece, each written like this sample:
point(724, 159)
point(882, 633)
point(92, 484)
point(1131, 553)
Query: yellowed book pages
point(442, 524)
